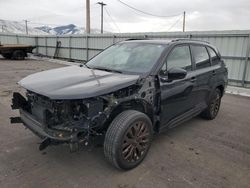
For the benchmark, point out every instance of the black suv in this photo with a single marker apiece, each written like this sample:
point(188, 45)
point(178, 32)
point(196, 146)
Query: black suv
point(123, 96)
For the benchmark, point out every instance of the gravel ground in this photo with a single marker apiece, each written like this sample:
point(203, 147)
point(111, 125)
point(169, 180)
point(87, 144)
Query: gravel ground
point(198, 153)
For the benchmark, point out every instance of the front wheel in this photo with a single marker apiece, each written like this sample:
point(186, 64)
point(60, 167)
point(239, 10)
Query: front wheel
point(128, 139)
point(213, 107)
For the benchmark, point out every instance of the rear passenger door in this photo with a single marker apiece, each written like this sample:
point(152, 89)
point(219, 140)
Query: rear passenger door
point(203, 73)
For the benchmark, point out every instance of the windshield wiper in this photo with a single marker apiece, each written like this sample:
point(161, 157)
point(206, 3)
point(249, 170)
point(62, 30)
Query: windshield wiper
point(105, 69)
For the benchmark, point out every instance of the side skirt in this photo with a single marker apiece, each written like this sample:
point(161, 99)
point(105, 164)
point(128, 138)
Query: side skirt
point(183, 117)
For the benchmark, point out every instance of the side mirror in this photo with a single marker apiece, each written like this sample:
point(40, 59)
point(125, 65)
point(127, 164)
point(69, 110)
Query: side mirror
point(176, 73)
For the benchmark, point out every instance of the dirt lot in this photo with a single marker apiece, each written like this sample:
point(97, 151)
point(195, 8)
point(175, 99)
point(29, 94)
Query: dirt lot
point(198, 153)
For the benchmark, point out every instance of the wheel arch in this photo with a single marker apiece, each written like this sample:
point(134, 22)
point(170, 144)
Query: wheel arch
point(135, 104)
point(221, 87)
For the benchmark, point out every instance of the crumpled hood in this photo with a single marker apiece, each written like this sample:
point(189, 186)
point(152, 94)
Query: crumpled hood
point(74, 82)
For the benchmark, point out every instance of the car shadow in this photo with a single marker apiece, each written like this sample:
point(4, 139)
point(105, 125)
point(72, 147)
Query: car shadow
point(93, 156)
point(4, 59)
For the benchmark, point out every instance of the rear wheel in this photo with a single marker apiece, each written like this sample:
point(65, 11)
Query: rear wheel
point(213, 107)
point(128, 139)
point(18, 55)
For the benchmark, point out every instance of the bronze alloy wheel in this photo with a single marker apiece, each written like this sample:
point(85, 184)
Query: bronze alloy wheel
point(135, 142)
point(215, 105)
point(128, 139)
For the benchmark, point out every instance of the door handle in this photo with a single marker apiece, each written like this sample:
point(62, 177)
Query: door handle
point(193, 79)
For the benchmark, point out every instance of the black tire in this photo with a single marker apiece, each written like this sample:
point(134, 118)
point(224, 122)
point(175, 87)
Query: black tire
point(213, 107)
point(7, 56)
point(128, 139)
point(18, 55)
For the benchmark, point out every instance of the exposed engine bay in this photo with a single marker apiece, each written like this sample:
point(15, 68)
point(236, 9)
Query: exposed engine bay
point(78, 121)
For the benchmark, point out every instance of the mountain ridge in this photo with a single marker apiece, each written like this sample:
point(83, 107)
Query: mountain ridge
point(19, 28)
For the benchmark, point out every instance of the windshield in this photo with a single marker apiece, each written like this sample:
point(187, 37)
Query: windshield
point(128, 57)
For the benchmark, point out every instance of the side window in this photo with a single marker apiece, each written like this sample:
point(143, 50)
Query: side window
point(201, 57)
point(179, 57)
point(214, 57)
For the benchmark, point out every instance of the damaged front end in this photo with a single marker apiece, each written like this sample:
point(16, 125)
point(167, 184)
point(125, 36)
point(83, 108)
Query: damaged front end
point(60, 121)
point(74, 121)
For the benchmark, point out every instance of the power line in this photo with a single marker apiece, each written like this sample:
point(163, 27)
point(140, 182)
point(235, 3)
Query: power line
point(12, 21)
point(33, 23)
point(178, 19)
point(146, 13)
point(106, 10)
point(108, 22)
point(44, 24)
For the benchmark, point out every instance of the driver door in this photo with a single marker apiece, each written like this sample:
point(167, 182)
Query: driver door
point(177, 96)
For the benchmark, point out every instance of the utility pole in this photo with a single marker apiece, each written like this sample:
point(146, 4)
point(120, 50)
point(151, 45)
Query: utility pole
point(102, 5)
point(4, 28)
point(184, 21)
point(87, 16)
point(26, 27)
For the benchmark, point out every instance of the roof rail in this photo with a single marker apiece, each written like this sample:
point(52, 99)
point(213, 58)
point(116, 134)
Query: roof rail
point(136, 39)
point(181, 39)
point(145, 37)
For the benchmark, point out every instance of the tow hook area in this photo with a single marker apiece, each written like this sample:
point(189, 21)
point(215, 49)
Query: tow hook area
point(74, 146)
point(78, 145)
point(44, 144)
point(47, 142)
point(15, 120)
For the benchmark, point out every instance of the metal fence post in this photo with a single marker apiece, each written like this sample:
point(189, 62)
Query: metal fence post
point(17, 39)
point(46, 46)
point(87, 47)
point(70, 47)
point(246, 62)
point(36, 44)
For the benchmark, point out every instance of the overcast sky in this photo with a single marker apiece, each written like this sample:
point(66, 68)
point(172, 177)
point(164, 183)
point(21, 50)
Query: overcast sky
point(200, 14)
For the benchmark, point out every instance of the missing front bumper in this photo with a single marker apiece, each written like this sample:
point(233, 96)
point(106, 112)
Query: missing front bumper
point(29, 121)
point(50, 136)
point(38, 128)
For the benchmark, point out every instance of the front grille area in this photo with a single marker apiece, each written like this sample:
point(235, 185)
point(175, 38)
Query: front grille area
point(38, 105)
point(63, 114)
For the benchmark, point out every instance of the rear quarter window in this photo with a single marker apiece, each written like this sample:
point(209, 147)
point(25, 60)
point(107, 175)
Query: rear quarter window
point(213, 55)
